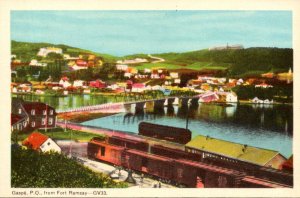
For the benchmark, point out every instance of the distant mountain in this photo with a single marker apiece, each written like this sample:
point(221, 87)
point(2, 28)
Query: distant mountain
point(27, 51)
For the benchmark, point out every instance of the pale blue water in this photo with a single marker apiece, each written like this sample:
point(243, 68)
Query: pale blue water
point(256, 129)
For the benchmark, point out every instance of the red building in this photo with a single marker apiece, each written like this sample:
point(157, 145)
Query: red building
point(97, 84)
point(36, 114)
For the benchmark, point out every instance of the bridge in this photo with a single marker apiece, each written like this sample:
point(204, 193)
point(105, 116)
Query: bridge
point(136, 106)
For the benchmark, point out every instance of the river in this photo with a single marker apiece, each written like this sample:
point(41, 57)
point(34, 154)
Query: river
point(269, 127)
point(264, 126)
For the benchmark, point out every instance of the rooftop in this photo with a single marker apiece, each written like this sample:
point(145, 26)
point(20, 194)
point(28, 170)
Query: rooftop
point(233, 150)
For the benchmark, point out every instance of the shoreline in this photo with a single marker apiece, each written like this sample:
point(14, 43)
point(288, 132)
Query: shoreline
point(79, 117)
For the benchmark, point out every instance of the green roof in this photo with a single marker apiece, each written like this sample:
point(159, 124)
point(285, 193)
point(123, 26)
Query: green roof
point(232, 150)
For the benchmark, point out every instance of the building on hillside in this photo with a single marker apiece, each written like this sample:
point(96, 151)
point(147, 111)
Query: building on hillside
point(78, 83)
point(80, 64)
point(122, 67)
point(34, 62)
point(138, 87)
point(40, 142)
point(219, 149)
point(36, 114)
point(226, 47)
point(64, 82)
point(263, 85)
point(97, 84)
point(46, 50)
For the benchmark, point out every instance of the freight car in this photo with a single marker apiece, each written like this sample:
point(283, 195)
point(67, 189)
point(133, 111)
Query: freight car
point(180, 171)
point(173, 134)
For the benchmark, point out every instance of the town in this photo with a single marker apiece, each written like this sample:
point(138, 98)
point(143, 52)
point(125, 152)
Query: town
point(157, 155)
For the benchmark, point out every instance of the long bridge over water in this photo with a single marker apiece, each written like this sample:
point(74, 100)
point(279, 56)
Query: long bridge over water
point(149, 105)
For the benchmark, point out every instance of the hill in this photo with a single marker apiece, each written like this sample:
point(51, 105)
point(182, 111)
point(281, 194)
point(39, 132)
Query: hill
point(240, 62)
point(27, 51)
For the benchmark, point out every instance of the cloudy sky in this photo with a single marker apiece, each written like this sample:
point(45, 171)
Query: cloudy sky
point(129, 32)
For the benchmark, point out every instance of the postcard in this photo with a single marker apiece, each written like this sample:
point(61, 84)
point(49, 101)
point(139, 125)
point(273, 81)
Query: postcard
point(142, 99)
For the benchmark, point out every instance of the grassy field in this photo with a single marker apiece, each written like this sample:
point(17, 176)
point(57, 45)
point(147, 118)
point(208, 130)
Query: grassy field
point(60, 134)
point(197, 66)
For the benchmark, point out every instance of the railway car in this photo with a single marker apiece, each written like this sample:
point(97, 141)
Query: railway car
point(173, 134)
point(129, 143)
point(180, 167)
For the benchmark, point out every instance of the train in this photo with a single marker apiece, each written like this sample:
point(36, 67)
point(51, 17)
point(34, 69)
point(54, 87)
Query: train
point(176, 166)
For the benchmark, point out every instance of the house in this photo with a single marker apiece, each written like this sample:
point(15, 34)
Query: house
point(263, 85)
point(97, 84)
point(40, 142)
point(208, 97)
point(80, 64)
point(34, 62)
point(64, 82)
point(138, 87)
point(18, 122)
point(78, 83)
point(214, 148)
point(122, 67)
point(37, 115)
point(46, 50)
point(227, 96)
point(174, 75)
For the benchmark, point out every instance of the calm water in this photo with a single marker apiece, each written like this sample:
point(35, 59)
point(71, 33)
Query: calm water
point(267, 127)
point(70, 101)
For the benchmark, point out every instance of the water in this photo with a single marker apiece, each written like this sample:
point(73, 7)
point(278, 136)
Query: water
point(265, 126)
point(269, 127)
point(70, 101)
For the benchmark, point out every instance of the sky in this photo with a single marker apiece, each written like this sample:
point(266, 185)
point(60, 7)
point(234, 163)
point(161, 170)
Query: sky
point(128, 32)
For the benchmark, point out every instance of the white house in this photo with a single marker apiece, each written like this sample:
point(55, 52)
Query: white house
point(122, 67)
point(41, 142)
point(46, 50)
point(174, 75)
point(78, 83)
point(231, 97)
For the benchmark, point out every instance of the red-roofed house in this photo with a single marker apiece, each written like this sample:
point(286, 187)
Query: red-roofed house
point(40, 142)
point(208, 97)
point(80, 64)
point(98, 84)
point(138, 87)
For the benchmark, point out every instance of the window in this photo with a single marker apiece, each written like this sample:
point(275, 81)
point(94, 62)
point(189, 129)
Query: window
point(44, 112)
point(50, 121)
point(48, 143)
point(51, 112)
point(43, 121)
point(32, 124)
point(32, 112)
point(20, 111)
point(102, 151)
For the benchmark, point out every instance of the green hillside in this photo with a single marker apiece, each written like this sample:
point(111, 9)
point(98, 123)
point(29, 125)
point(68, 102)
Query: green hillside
point(242, 62)
point(238, 62)
point(27, 51)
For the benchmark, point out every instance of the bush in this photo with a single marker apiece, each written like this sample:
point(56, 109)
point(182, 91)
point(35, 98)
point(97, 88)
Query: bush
point(31, 169)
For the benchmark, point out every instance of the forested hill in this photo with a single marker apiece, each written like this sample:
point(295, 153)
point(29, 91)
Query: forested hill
point(27, 51)
point(258, 59)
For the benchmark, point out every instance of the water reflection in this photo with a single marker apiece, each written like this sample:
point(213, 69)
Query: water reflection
point(269, 128)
